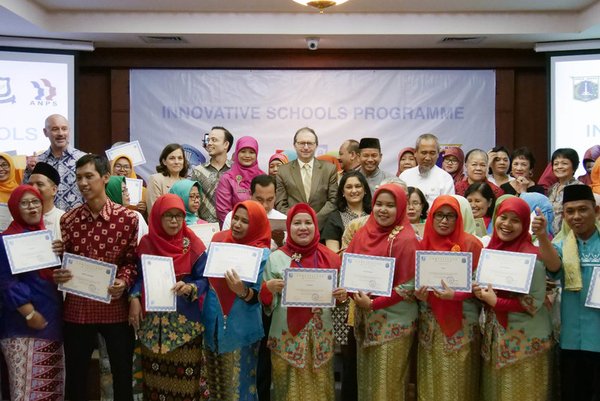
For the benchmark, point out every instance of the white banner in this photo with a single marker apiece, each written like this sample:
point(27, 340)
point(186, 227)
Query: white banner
point(394, 105)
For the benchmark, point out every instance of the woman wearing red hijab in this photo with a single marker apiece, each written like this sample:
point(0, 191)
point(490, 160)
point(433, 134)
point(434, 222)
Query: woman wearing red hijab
point(31, 322)
point(231, 313)
point(449, 336)
point(385, 326)
point(517, 338)
point(172, 341)
point(300, 339)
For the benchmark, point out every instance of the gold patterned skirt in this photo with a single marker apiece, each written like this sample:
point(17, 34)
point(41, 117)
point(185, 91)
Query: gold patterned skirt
point(306, 384)
point(383, 370)
point(526, 380)
point(176, 375)
point(448, 375)
point(232, 375)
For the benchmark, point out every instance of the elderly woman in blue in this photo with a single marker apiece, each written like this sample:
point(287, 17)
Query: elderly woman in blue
point(232, 315)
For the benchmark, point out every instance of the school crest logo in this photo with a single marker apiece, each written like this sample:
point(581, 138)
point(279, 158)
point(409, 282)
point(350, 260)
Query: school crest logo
point(585, 89)
point(6, 95)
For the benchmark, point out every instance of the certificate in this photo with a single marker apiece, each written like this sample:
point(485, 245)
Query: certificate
point(205, 231)
point(130, 149)
point(455, 268)
point(30, 251)
point(277, 224)
point(370, 274)
point(134, 187)
point(245, 260)
point(5, 217)
point(91, 277)
point(311, 288)
point(593, 296)
point(509, 271)
point(159, 279)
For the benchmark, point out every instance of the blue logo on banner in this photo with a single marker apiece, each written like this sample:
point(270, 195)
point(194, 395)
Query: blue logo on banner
point(585, 89)
point(45, 90)
point(6, 95)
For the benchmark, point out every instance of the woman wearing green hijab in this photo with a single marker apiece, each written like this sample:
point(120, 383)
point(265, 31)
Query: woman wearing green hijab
point(189, 192)
point(117, 192)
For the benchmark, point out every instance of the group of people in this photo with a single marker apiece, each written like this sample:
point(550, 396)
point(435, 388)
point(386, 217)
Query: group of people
point(230, 339)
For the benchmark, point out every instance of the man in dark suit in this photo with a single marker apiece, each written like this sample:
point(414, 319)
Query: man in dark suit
point(307, 179)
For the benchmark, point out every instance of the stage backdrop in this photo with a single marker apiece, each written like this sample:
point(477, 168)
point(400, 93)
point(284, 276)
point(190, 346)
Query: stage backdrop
point(394, 105)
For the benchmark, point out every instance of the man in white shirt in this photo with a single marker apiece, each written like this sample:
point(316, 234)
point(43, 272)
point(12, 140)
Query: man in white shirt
point(429, 178)
point(46, 179)
point(262, 189)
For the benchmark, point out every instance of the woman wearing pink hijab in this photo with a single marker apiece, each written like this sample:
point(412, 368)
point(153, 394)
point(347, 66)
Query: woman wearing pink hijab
point(234, 185)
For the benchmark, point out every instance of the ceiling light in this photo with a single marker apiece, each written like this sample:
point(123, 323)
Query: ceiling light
point(320, 4)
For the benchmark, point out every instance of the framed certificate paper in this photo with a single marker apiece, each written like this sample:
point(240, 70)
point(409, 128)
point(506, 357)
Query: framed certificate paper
point(593, 296)
point(159, 279)
point(30, 251)
point(455, 268)
point(509, 271)
point(369, 274)
point(131, 149)
point(245, 260)
point(134, 188)
point(311, 288)
point(91, 278)
point(205, 231)
point(5, 217)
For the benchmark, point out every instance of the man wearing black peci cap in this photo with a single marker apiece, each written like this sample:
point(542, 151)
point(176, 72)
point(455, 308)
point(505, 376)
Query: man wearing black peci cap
point(370, 158)
point(572, 259)
point(46, 179)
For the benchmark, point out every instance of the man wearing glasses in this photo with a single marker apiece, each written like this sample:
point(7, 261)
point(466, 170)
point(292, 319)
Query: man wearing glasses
point(306, 179)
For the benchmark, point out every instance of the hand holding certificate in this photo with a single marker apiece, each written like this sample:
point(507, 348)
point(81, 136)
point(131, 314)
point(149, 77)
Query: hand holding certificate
point(454, 268)
point(90, 278)
point(30, 251)
point(159, 280)
point(309, 288)
point(134, 188)
point(511, 271)
point(245, 260)
point(369, 274)
point(131, 149)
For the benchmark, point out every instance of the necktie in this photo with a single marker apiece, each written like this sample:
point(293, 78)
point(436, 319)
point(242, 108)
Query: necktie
point(306, 177)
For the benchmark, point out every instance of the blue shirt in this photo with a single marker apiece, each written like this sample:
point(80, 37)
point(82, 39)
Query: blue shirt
point(580, 325)
point(68, 196)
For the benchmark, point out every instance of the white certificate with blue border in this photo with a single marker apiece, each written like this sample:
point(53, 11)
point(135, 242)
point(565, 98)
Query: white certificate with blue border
point(592, 299)
point(369, 274)
point(510, 271)
point(245, 260)
point(134, 188)
point(131, 149)
point(159, 279)
point(455, 268)
point(205, 231)
point(5, 217)
point(30, 251)
point(311, 288)
point(91, 277)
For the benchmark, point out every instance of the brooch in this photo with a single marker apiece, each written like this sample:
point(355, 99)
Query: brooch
point(395, 232)
point(296, 257)
point(186, 244)
point(238, 178)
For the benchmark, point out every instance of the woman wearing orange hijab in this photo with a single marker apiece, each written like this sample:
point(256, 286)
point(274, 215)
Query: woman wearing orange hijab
point(231, 313)
point(8, 178)
point(449, 336)
point(385, 326)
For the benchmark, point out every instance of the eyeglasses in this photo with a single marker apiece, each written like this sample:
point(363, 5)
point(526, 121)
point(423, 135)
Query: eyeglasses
point(450, 161)
point(5, 166)
point(177, 217)
point(122, 167)
point(439, 217)
point(194, 196)
point(307, 144)
point(415, 204)
point(27, 204)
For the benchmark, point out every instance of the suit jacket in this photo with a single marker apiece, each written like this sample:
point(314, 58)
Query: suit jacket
point(323, 189)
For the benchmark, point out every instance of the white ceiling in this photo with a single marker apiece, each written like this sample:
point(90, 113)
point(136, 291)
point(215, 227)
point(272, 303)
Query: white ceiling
point(285, 24)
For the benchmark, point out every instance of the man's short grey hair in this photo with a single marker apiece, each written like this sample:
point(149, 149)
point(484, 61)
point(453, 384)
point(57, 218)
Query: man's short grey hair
point(394, 180)
point(426, 137)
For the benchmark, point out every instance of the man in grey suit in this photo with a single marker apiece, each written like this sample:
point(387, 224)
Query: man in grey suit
point(307, 179)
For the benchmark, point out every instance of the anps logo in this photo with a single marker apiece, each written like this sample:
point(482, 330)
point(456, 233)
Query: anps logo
point(45, 93)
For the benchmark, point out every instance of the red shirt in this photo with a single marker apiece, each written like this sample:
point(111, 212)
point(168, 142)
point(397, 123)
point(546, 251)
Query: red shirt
point(111, 237)
point(461, 187)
